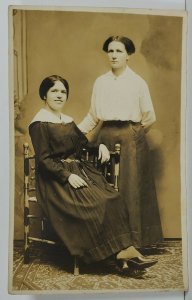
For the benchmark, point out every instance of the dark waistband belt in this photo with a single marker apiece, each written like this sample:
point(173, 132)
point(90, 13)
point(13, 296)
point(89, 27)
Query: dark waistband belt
point(120, 123)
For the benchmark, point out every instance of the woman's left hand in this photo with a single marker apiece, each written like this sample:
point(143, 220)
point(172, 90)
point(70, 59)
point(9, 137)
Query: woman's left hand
point(104, 153)
point(76, 181)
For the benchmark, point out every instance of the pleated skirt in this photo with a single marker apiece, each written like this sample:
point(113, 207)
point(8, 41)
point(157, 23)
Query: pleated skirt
point(136, 183)
point(92, 221)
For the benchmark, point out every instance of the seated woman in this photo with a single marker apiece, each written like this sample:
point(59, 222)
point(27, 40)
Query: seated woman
point(86, 212)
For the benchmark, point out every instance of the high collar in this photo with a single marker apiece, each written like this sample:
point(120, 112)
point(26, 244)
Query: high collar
point(126, 72)
point(46, 116)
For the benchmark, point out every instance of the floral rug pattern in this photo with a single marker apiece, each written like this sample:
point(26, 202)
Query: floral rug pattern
point(50, 269)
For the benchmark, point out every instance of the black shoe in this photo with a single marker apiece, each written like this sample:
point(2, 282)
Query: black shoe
point(141, 262)
point(153, 250)
point(130, 271)
point(112, 266)
point(136, 273)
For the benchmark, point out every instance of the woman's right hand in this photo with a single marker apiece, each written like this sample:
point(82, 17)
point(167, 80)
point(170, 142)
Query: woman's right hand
point(76, 181)
point(104, 154)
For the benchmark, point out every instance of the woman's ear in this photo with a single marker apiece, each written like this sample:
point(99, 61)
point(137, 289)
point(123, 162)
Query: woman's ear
point(44, 97)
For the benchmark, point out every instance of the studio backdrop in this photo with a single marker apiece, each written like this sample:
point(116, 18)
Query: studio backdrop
point(69, 43)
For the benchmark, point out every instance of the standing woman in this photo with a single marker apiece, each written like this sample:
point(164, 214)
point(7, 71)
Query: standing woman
point(121, 99)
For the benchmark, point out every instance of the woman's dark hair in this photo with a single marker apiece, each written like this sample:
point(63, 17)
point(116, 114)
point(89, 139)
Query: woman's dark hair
point(48, 82)
point(129, 46)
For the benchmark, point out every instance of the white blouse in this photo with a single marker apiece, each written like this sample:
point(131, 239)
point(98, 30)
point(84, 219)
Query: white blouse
point(124, 98)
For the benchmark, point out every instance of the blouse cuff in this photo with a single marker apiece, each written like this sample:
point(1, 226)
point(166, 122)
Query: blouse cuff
point(65, 175)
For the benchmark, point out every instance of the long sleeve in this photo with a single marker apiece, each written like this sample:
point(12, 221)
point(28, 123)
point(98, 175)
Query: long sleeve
point(44, 158)
point(90, 121)
point(146, 106)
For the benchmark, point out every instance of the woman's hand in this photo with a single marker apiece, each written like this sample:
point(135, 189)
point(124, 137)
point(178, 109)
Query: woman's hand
point(76, 181)
point(104, 154)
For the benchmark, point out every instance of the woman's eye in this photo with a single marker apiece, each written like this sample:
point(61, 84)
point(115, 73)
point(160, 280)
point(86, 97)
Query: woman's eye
point(58, 91)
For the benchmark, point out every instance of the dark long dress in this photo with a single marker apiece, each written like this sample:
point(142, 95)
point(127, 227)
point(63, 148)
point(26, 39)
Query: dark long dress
point(136, 184)
point(91, 221)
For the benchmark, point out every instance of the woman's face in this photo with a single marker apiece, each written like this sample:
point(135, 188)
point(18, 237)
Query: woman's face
point(118, 55)
point(56, 96)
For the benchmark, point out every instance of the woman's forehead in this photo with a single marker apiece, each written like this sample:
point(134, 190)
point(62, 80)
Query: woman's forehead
point(116, 45)
point(59, 84)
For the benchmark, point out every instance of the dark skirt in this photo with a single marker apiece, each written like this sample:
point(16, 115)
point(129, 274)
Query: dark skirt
point(91, 221)
point(136, 184)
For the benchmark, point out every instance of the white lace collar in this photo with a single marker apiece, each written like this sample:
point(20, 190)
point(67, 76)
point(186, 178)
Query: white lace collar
point(46, 116)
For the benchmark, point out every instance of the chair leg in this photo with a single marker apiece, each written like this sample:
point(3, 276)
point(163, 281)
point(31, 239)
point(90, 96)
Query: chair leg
point(26, 241)
point(76, 266)
point(26, 256)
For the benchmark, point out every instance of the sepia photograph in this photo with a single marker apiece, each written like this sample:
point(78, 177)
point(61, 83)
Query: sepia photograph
point(97, 114)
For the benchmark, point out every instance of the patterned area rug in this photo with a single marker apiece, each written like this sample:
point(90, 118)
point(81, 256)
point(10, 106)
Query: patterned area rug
point(52, 269)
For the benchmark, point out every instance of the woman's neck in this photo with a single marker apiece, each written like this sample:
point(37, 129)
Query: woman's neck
point(119, 71)
point(56, 113)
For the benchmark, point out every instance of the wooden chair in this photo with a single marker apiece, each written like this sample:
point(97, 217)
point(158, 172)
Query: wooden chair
point(110, 170)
